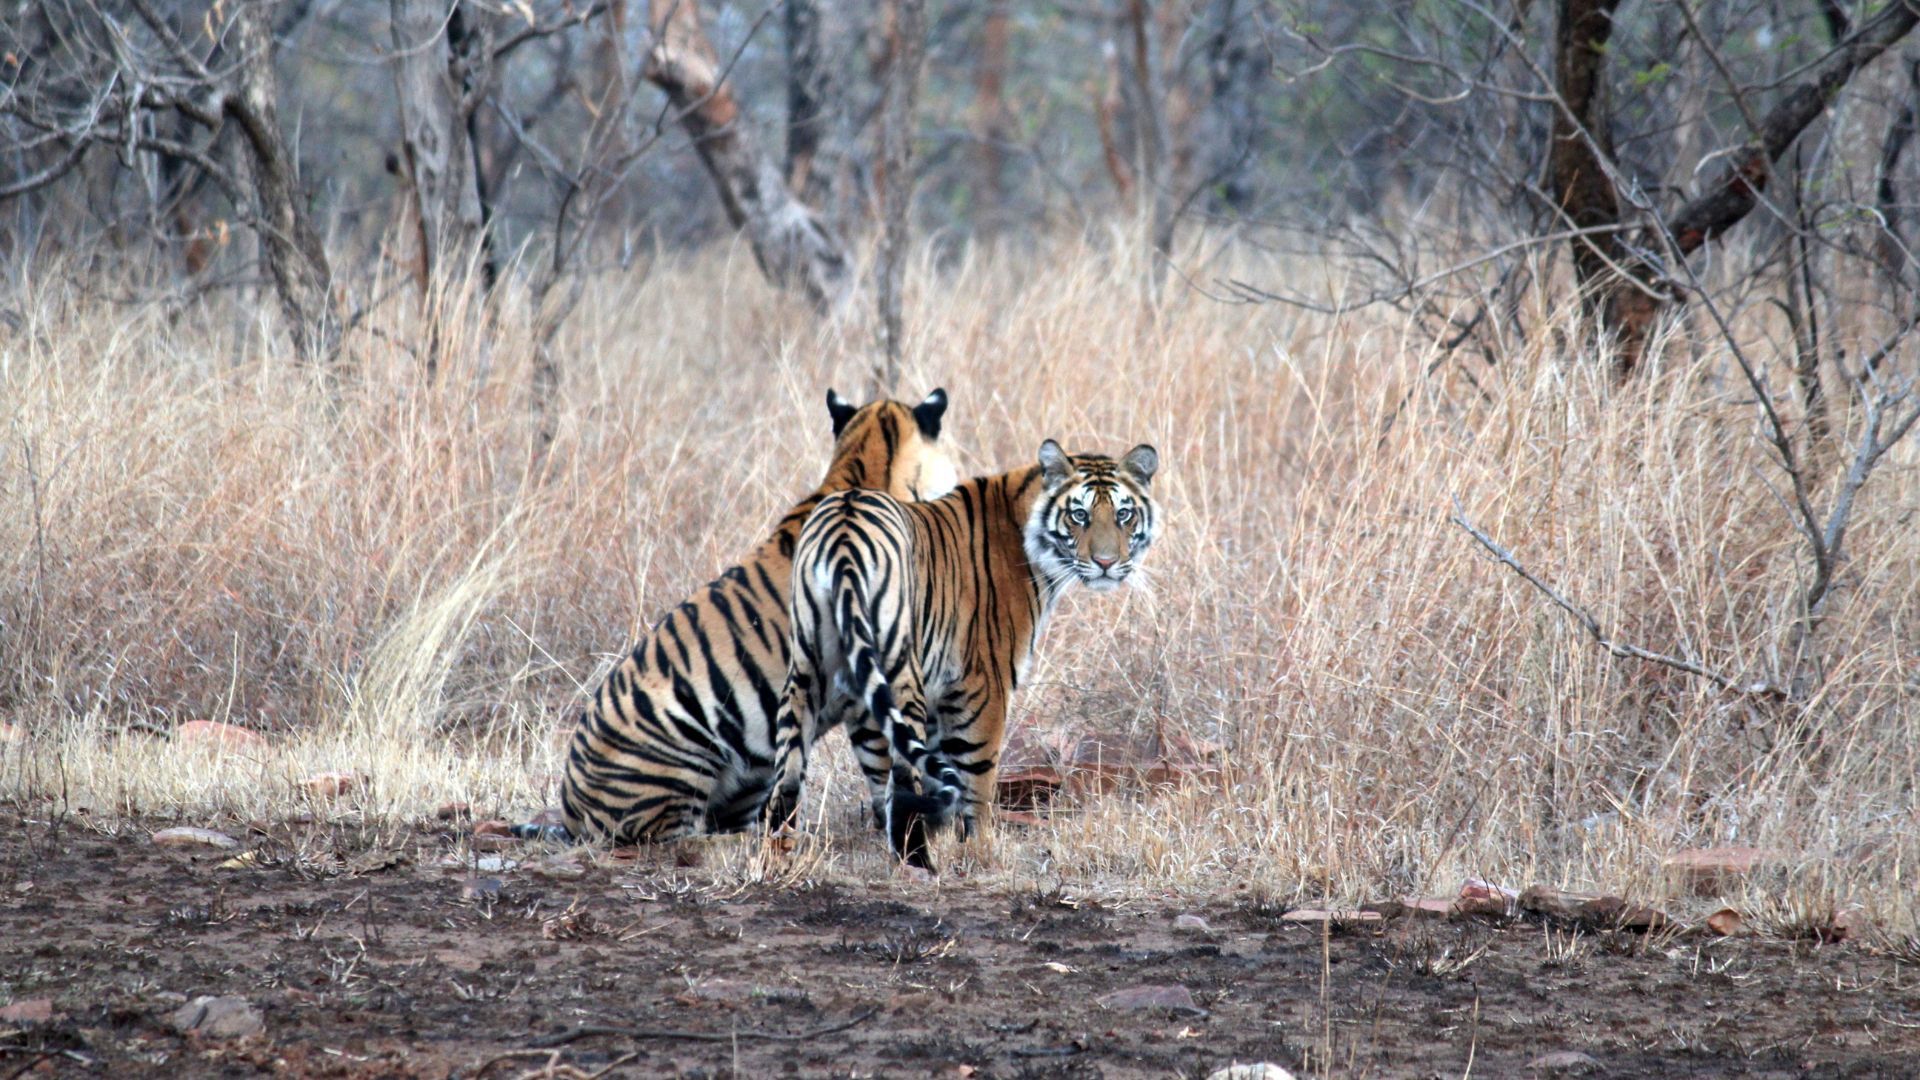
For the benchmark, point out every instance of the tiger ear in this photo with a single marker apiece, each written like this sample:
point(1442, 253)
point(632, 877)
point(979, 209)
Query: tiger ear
point(927, 414)
point(1055, 466)
point(841, 410)
point(1141, 463)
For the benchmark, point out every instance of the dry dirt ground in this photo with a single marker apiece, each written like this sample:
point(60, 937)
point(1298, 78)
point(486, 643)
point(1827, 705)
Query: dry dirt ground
point(365, 957)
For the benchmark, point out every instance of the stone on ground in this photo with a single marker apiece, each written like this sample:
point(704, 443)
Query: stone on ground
point(218, 1018)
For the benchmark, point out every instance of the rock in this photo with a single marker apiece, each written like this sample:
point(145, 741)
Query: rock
point(1413, 907)
point(1191, 924)
point(1564, 1063)
point(186, 837)
point(1266, 1070)
point(561, 869)
point(215, 734)
point(454, 811)
point(480, 888)
point(28, 1011)
point(1707, 871)
point(1322, 916)
point(493, 827)
point(1170, 998)
point(1726, 922)
point(328, 785)
point(1478, 897)
point(217, 1018)
point(1615, 913)
point(1596, 912)
point(1027, 789)
point(494, 864)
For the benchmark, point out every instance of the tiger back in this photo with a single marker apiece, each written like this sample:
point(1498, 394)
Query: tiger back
point(676, 741)
point(913, 623)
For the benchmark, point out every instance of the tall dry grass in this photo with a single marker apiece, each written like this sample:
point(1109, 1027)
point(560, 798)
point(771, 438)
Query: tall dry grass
point(394, 577)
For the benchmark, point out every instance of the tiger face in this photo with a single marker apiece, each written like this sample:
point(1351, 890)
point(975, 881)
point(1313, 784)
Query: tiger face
point(1096, 519)
point(895, 448)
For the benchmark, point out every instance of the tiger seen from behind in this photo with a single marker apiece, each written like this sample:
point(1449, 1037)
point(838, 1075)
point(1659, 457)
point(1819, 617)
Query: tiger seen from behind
point(913, 623)
point(677, 739)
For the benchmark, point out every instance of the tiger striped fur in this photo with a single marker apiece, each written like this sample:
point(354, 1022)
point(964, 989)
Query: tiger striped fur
point(913, 624)
point(677, 739)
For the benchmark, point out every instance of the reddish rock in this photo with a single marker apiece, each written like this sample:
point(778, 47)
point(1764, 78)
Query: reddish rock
point(1726, 922)
point(1707, 871)
point(329, 785)
point(215, 734)
point(1615, 913)
point(1170, 998)
point(1480, 898)
point(186, 838)
point(29, 1011)
point(1323, 916)
point(1028, 788)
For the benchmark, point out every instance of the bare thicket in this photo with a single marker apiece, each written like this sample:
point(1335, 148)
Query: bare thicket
point(1634, 283)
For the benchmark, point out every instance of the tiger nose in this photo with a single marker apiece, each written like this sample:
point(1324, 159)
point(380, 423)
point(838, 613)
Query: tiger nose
point(1104, 562)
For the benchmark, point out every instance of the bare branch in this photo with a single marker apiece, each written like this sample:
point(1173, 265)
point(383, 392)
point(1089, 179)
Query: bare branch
point(1599, 634)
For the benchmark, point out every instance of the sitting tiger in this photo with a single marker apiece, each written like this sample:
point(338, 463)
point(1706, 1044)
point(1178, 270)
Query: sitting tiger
point(675, 742)
point(913, 623)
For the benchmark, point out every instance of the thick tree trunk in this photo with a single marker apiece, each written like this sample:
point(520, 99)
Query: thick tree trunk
point(1582, 148)
point(295, 257)
point(434, 132)
point(1238, 63)
point(1619, 287)
point(991, 121)
point(793, 247)
point(908, 29)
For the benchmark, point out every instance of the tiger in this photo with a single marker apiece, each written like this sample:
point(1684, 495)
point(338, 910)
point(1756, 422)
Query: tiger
point(914, 623)
point(675, 741)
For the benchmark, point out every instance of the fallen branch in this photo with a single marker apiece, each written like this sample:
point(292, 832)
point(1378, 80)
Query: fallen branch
point(588, 1031)
point(1594, 629)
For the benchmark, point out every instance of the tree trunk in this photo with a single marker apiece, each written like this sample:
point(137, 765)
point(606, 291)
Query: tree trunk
point(295, 257)
point(1581, 151)
point(793, 247)
point(1238, 63)
point(434, 133)
point(908, 29)
point(992, 122)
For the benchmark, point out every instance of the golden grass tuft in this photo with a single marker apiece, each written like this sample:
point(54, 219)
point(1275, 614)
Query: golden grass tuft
point(396, 578)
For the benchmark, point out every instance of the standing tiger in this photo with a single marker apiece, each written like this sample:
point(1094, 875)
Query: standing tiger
point(675, 742)
point(913, 623)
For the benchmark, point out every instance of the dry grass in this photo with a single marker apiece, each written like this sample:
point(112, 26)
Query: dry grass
point(385, 576)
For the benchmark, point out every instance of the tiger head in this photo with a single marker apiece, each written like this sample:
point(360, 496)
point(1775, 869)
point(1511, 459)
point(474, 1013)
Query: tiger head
point(892, 447)
point(1095, 518)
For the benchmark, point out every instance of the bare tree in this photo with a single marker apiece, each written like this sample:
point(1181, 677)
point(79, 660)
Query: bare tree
point(991, 120)
point(1628, 287)
point(94, 82)
point(906, 33)
point(442, 60)
point(793, 246)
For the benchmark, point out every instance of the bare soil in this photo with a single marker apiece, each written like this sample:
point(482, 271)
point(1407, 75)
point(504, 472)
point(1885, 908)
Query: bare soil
point(367, 958)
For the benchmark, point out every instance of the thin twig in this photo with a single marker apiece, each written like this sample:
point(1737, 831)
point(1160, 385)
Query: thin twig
point(1593, 627)
point(588, 1031)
